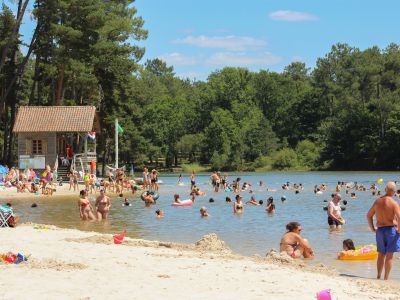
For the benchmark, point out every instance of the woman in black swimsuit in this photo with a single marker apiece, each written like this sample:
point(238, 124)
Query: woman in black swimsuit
point(238, 205)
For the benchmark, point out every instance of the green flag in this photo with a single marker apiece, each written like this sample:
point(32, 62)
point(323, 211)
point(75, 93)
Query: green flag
point(120, 129)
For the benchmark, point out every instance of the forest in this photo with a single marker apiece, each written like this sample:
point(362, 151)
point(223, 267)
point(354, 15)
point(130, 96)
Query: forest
point(344, 114)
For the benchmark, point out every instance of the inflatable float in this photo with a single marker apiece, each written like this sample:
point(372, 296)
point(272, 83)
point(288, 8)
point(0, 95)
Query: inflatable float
point(183, 203)
point(361, 253)
point(153, 193)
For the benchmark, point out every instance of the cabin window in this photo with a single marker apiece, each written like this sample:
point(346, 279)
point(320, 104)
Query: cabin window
point(37, 147)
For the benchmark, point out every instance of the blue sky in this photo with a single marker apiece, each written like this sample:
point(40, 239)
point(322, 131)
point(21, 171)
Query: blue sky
point(199, 37)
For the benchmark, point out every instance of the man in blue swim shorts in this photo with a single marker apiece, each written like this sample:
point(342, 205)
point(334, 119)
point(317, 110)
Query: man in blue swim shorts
point(387, 212)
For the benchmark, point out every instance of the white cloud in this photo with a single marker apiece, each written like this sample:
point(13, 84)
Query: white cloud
point(243, 59)
point(189, 75)
point(292, 16)
point(229, 43)
point(177, 59)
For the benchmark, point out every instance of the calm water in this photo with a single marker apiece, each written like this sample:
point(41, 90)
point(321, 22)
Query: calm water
point(253, 232)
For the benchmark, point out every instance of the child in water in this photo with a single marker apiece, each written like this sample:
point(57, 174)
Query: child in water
point(348, 248)
point(348, 245)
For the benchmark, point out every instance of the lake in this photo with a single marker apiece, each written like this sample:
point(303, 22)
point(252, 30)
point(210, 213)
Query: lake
point(253, 232)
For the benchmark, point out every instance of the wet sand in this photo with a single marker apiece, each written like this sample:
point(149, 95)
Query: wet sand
point(72, 264)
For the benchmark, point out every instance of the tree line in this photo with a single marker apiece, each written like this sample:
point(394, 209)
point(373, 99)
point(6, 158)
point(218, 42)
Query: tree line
point(343, 114)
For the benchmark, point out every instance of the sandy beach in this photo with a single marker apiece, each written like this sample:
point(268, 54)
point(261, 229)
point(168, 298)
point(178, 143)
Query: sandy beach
point(71, 264)
point(11, 193)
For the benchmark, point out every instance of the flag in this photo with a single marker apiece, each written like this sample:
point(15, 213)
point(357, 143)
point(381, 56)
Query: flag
point(120, 129)
point(92, 135)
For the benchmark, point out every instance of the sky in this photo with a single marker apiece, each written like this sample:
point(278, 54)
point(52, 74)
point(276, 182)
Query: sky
point(198, 37)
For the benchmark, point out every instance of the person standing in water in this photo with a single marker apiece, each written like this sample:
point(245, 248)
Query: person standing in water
point(102, 205)
point(180, 179)
point(335, 219)
point(85, 208)
point(387, 213)
point(192, 180)
point(238, 205)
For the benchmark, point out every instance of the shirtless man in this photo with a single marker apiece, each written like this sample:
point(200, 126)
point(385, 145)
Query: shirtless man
point(387, 213)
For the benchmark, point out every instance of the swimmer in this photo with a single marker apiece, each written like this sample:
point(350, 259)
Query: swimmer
point(270, 205)
point(197, 191)
point(203, 212)
point(148, 198)
point(283, 199)
point(228, 199)
point(353, 196)
point(177, 199)
point(238, 205)
point(293, 244)
point(159, 214)
point(339, 187)
point(126, 202)
point(253, 201)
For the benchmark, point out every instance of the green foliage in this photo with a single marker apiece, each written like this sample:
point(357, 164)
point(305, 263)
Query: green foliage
point(308, 154)
point(285, 158)
point(343, 114)
point(195, 167)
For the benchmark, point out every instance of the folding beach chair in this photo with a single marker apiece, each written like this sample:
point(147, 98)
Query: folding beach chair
point(6, 214)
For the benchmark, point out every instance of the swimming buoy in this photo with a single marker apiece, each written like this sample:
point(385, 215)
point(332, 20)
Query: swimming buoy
point(153, 193)
point(361, 253)
point(183, 203)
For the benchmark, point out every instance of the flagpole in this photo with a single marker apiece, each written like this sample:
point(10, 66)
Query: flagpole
point(116, 143)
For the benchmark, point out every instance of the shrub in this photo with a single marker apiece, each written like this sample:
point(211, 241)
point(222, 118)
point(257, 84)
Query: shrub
point(285, 159)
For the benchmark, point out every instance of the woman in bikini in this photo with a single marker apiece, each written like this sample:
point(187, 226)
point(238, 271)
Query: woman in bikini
point(102, 205)
point(238, 205)
point(85, 208)
point(293, 244)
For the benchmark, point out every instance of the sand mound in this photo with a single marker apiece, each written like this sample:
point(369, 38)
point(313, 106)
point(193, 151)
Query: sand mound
point(211, 242)
point(208, 243)
point(54, 264)
point(281, 258)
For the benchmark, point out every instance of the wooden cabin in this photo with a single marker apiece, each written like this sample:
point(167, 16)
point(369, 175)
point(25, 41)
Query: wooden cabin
point(55, 135)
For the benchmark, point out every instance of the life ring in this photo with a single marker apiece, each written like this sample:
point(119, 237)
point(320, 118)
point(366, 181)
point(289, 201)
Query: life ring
point(361, 253)
point(153, 193)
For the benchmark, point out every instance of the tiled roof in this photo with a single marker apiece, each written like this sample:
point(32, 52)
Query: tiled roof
point(55, 119)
